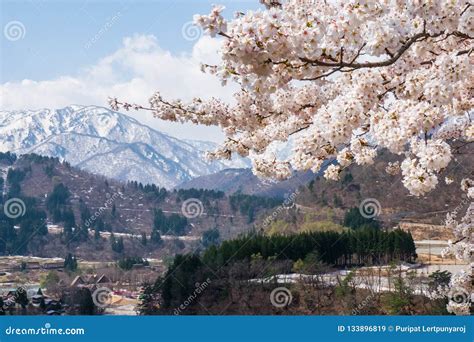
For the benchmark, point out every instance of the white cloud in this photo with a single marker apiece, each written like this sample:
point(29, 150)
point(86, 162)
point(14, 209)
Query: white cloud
point(133, 72)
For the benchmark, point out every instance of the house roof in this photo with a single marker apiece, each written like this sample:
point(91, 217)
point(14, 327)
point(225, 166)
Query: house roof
point(78, 281)
point(103, 279)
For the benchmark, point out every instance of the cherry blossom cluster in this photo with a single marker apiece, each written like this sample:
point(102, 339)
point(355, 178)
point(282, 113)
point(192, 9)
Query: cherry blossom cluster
point(303, 71)
point(458, 292)
point(214, 23)
point(345, 78)
point(393, 168)
point(460, 287)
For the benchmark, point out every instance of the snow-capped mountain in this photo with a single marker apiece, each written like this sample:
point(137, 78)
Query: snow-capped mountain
point(109, 143)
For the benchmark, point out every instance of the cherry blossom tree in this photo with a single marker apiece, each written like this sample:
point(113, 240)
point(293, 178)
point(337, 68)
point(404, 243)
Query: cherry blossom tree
point(342, 80)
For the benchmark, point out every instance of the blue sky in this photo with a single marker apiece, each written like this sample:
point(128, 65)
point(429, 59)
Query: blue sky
point(72, 42)
point(57, 32)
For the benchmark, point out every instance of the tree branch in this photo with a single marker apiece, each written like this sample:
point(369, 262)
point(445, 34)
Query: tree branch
point(387, 62)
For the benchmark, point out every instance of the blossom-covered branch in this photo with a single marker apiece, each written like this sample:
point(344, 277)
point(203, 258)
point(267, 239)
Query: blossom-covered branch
point(341, 80)
point(417, 84)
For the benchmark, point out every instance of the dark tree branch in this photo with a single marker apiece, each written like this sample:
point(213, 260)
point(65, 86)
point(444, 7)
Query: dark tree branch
point(387, 62)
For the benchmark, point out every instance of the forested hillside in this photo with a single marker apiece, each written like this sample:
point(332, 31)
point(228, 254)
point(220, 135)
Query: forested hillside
point(63, 209)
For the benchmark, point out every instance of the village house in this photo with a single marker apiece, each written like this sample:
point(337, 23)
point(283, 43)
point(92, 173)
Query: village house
point(91, 281)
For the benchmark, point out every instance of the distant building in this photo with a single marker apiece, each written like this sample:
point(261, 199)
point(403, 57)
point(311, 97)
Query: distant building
point(103, 280)
point(91, 281)
point(78, 281)
point(53, 265)
point(33, 265)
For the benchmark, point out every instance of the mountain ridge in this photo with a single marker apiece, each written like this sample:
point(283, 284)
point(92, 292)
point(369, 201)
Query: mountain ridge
point(96, 138)
point(242, 180)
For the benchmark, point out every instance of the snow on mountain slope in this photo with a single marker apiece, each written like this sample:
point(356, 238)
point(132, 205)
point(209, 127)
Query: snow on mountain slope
point(235, 162)
point(108, 143)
